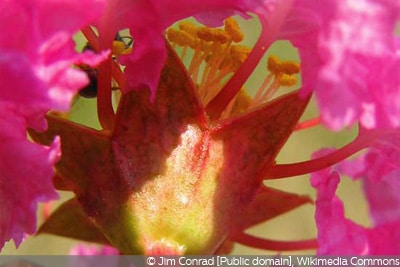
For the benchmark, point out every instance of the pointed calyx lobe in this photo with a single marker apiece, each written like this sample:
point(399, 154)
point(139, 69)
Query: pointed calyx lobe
point(165, 176)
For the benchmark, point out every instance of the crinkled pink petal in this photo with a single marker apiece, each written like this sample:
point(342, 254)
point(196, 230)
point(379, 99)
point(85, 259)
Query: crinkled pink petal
point(348, 54)
point(21, 89)
point(353, 168)
point(379, 170)
point(57, 55)
point(67, 15)
point(338, 235)
point(384, 198)
point(381, 161)
point(381, 183)
point(62, 80)
point(381, 109)
point(354, 48)
point(384, 239)
point(371, 94)
point(25, 179)
point(36, 75)
point(36, 64)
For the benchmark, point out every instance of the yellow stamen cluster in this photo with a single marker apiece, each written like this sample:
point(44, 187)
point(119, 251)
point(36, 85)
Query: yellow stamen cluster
point(283, 70)
point(236, 57)
point(232, 28)
point(213, 35)
point(238, 105)
point(215, 54)
point(287, 80)
point(277, 67)
point(281, 75)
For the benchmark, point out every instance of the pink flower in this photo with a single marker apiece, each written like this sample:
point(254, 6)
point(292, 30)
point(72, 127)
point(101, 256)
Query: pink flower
point(36, 55)
point(21, 160)
point(379, 170)
point(336, 234)
point(160, 165)
point(356, 63)
point(339, 235)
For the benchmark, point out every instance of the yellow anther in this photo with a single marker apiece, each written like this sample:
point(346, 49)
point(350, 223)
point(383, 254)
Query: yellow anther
point(276, 66)
point(273, 65)
point(206, 47)
point(287, 80)
point(189, 40)
point(175, 37)
point(239, 52)
point(118, 48)
point(242, 102)
point(180, 38)
point(213, 35)
point(290, 67)
point(188, 27)
point(127, 51)
point(237, 55)
point(232, 28)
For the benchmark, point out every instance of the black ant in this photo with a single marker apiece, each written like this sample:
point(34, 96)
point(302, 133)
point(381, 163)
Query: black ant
point(90, 90)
